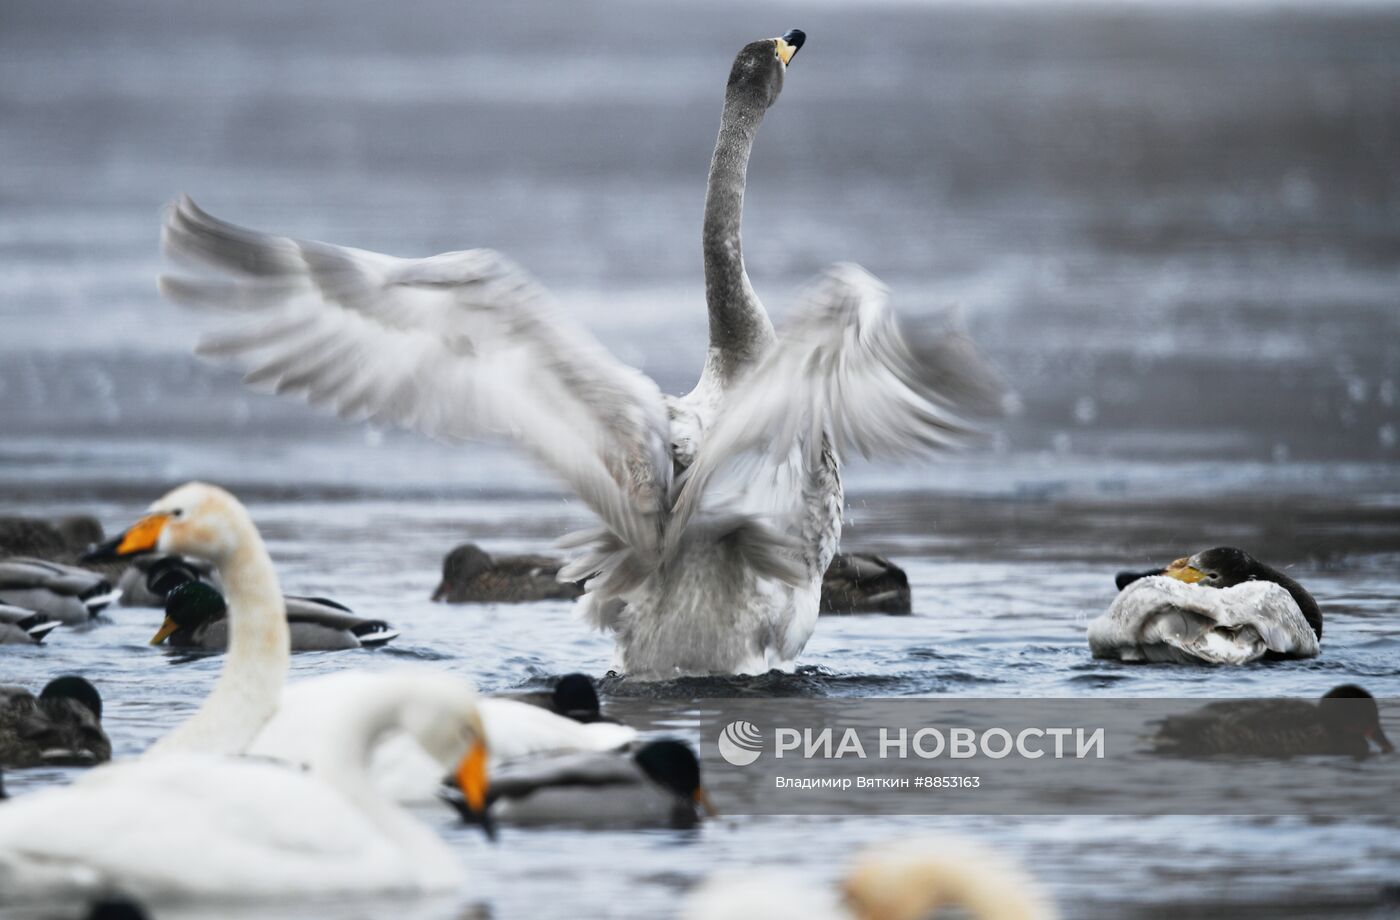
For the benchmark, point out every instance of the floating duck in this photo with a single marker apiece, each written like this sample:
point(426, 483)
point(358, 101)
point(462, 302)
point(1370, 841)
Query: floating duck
point(61, 538)
point(1345, 721)
point(71, 595)
point(61, 727)
point(470, 575)
point(196, 617)
point(656, 785)
point(1220, 606)
point(150, 579)
point(19, 626)
point(864, 583)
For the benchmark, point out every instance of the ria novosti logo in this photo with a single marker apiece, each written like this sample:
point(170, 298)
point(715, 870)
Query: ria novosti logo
point(740, 743)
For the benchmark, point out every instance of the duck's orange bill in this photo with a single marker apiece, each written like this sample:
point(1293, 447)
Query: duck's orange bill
point(166, 628)
point(143, 535)
point(471, 777)
point(1182, 570)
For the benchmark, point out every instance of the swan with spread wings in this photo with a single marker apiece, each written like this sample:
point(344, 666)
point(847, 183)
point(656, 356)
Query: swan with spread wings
point(720, 509)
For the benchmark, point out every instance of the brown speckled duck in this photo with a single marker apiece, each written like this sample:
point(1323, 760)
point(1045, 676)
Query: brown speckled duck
point(472, 576)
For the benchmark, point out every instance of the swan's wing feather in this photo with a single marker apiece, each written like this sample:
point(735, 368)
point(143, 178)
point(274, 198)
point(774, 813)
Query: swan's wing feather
point(1162, 619)
point(843, 376)
point(458, 345)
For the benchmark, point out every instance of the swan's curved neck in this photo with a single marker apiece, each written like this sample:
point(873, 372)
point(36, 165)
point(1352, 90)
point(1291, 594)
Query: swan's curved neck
point(740, 331)
point(249, 687)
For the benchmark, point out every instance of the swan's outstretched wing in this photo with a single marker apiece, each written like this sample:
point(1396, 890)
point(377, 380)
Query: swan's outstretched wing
point(842, 377)
point(458, 345)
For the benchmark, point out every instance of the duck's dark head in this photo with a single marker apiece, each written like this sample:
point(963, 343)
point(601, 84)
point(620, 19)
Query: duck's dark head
point(167, 573)
point(78, 689)
point(189, 606)
point(73, 710)
point(465, 563)
point(673, 765)
point(1227, 566)
point(1352, 712)
point(757, 75)
point(576, 697)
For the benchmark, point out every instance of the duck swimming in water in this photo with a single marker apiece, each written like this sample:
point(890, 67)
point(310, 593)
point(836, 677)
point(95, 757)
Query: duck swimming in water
point(19, 626)
point(656, 785)
point(1220, 606)
point(196, 617)
point(1346, 721)
point(71, 595)
point(61, 727)
point(472, 576)
point(720, 509)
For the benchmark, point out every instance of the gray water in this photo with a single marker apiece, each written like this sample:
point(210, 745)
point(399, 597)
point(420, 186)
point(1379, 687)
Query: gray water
point(1176, 232)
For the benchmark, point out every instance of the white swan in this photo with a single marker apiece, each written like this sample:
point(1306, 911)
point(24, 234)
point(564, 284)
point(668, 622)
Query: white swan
point(207, 522)
point(403, 766)
point(909, 880)
point(194, 826)
point(717, 570)
point(1220, 606)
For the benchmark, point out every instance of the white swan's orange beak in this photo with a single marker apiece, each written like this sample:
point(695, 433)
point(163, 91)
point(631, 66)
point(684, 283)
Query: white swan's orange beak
point(472, 778)
point(141, 537)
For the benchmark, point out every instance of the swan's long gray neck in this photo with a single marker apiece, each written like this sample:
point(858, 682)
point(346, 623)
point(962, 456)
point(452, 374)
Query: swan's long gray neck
point(740, 331)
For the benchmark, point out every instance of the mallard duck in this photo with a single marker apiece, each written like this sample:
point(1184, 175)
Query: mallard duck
point(720, 509)
point(1345, 721)
point(657, 785)
point(205, 827)
point(71, 595)
point(150, 579)
point(905, 880)
point(195, 617)
point(62, 538)
point(864, 583)
point(1220, 606)
point(24, 627)
point(471, 576)
point(63, 726)
point(207, 522)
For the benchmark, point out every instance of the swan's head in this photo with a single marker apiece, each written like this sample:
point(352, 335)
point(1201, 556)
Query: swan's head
point(757, 74)
point(194, 520)
point(440, 712)
point(912, 879)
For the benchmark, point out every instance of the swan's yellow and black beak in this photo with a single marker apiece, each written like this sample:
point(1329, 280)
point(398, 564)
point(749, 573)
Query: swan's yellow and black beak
point(1183, 570)
point(473, 781)
point(141, 537)
point(789, 44)
point(166, 628)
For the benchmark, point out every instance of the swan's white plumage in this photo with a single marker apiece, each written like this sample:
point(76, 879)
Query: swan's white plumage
point(204, 826)
point(190, 825)
point(409, 765)
point(1163, 619)
point(466, 345)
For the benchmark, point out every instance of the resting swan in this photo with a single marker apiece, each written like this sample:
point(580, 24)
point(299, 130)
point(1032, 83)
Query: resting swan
point(720, 509)
point(910, 880)
point(195, 826)
point(1220, 606)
